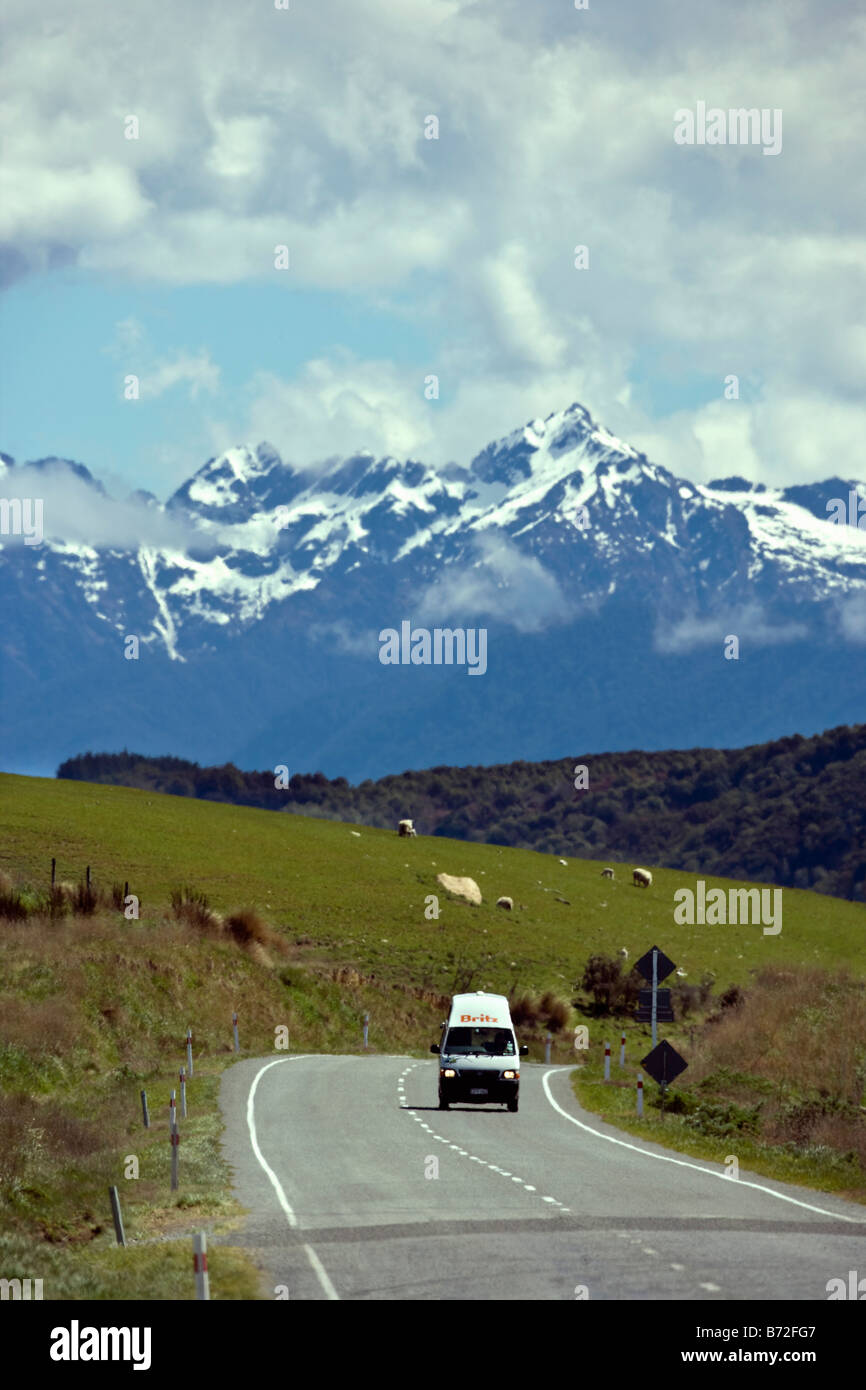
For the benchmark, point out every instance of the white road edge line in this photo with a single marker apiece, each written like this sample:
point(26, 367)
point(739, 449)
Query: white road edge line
point(683, 1163)
point(318, 1268)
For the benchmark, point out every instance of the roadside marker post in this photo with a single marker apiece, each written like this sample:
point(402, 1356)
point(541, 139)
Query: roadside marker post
point(640, 1096)
point(118, 1219)
point(547, 1041)
point(189, 1052)
point(199, 1264)
point(622, 1049)
point(366, 1029)
point(235, 1031)
point(172, 1111)
point(175, 1144)
point(182, 1076)
point(144, 1115)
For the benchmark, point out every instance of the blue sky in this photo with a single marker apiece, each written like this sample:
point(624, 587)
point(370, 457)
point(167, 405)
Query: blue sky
point(411, 256)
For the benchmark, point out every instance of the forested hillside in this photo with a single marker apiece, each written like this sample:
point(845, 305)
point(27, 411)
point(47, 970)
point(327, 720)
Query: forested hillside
point(789, 812)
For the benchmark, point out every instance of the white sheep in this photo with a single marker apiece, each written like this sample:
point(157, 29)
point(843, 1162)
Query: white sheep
point(642, 878)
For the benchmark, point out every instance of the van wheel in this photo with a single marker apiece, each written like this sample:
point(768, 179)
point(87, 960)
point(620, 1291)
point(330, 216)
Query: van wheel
point(443, 1104)
point(512, 1106)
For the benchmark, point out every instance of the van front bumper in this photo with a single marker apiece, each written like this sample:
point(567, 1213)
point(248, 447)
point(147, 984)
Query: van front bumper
point(478, 1087)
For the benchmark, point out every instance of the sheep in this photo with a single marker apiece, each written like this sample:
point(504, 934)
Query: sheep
point(405, 828)
point(623, 953)
point(642, 878)
point(607, 873)
point(507, 903)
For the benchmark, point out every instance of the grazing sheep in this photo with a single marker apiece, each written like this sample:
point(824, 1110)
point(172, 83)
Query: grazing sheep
point(461, 887)
point(607, 873)
point(623, 953)
point(507, 903)
point(642, 878)
point(405, 828)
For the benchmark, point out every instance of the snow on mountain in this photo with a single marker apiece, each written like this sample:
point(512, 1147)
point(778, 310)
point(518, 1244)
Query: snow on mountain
point(593, 511)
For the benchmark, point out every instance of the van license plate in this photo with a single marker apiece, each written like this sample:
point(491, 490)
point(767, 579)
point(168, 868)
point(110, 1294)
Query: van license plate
point(478, 1091)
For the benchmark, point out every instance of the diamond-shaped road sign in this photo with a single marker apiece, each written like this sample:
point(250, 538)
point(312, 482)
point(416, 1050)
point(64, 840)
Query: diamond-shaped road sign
point(645, 965)
point(664, 1063)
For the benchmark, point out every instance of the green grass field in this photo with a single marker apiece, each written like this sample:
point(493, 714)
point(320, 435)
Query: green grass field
point(361, 898)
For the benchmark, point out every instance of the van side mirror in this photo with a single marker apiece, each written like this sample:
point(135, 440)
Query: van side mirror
point(434, 1047)
point(524, 1049)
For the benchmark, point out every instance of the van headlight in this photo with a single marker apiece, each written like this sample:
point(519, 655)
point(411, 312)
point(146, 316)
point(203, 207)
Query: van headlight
point(448, 1071)
point(511, 1076)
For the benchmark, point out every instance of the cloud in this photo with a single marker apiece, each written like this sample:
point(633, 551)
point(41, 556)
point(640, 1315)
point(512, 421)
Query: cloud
point(500, 583)
point(80, 513)
point(555, 129)
point(748, 623)
point(852, 618)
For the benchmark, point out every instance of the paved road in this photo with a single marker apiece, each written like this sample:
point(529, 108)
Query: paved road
point(334, 1158)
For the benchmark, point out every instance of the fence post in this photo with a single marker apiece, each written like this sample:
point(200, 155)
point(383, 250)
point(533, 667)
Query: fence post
point(175, 1143)
point(189, 1052)
point(88, 878)
point(607, 1061)
point(235, 1031)
point(199, 1264)
point(622, 1049)
point(144, 1114)
point(182, 1094)
point(640, 1095)
point(53, 871)
point(118, 1219)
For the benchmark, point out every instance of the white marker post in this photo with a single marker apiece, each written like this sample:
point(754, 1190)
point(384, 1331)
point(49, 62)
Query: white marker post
point(182, 1078)
point(655, 995)
point(175, 1144)
point(622, 1049)
point(172, 1111)
point(189, 1052)
point(607, 1061)
point(199, 1264)
point(640, 1096)
point(235, 1031)
point(547, 1041)
point(366, 1029)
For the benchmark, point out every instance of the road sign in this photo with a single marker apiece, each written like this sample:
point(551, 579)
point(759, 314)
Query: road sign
point(664, 1008)
point(664, 1063)
point(645, 965)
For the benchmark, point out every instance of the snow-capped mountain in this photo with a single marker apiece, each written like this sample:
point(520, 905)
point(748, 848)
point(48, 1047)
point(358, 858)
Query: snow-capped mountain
point(257, 592)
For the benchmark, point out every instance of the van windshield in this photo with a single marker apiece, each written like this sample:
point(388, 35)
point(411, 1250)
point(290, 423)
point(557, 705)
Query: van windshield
point(494, 1042)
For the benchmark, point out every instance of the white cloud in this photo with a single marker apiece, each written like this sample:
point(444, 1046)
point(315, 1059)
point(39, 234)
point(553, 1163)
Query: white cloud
point(500, 583)
point(556, 128)
point(747, 622)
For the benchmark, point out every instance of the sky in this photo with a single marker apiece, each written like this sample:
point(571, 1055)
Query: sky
point(307, 128)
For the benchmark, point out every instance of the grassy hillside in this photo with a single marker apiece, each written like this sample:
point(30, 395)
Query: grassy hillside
point(360, 897)
point(791, 812)
point(95, 1007)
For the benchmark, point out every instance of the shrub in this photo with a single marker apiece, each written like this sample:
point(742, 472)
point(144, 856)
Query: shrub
point(190, 905)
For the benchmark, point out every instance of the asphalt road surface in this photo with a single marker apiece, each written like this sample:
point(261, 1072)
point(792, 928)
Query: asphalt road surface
point(358, 1187)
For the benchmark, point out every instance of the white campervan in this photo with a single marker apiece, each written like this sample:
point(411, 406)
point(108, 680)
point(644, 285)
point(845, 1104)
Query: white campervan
point(479, 1057)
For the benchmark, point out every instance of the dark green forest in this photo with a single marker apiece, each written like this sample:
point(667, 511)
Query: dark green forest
point(791, 812)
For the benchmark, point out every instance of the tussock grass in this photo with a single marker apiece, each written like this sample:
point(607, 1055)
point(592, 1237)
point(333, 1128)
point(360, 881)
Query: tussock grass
point(777, 1078)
